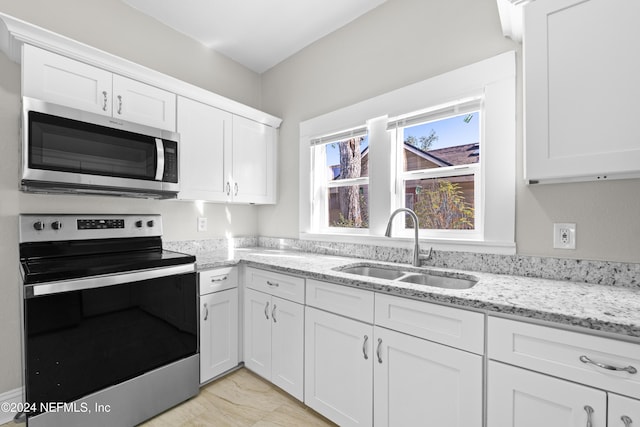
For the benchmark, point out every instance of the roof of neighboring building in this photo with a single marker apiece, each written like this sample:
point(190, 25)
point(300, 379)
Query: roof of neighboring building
point(457, 155)
point(449, 156)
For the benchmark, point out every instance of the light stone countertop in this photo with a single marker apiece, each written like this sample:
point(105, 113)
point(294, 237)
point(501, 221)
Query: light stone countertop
point(609, 309)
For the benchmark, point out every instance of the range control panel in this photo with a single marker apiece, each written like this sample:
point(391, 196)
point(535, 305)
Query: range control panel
point(57, 227)
point(95, 224)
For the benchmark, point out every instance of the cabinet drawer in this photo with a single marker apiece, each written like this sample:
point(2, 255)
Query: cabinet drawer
point(280, 285)
point(450, 326)
point(343, 300)
point(567, 354)
point(218, 279)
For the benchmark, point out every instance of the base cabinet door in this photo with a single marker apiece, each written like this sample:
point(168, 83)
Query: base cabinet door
point(521, 398)
point(338, 368)
point(274, 340)
point(287, 346)
point(218, 333)
point(257, 332)
point(623, 411)
point(418, 381)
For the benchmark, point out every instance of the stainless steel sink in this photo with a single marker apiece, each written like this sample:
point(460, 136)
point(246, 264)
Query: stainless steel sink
point(446, 282)
point(371, 271)
point(411, 275)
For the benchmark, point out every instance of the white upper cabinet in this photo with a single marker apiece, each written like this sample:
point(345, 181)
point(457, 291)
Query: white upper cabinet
point(224, 157)
point(63, 81)
point(57, 79)
point(204, 131)
point(581, 88)
point(252, 177)
point(138, 102)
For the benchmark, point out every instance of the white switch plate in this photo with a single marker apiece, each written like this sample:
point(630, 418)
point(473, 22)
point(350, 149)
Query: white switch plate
point(564, 236)
point(202, 223)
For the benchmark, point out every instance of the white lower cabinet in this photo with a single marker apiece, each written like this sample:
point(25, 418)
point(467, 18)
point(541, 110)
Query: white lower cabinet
point(544, 376)
point(274, 340)
point(218, 322)
point(219, 333)
point(338, 368)
point(623, 411)
point(358, 374)
point(521, 398)
point(418, 382)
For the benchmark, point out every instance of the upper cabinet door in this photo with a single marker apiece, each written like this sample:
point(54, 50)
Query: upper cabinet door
point(205, 136)
point(140, 103)
point(60, 80)
point(581, 89)
point(254, 146)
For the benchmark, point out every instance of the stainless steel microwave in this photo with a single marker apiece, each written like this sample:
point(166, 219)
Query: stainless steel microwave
point(73, 151)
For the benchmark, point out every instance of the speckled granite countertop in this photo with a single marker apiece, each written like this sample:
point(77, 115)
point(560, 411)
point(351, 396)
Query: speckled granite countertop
point(608, 309)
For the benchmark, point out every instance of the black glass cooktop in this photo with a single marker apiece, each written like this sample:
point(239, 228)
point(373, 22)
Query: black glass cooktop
point(45, 262)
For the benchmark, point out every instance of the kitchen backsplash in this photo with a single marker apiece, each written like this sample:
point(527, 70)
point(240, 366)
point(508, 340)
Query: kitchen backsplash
point(600, 272)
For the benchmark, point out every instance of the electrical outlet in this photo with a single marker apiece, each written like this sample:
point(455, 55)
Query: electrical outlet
point(202, 223)
point(564, 236)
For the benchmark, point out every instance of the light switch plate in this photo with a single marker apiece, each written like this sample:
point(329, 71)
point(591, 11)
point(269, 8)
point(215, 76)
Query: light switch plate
point(564, 236)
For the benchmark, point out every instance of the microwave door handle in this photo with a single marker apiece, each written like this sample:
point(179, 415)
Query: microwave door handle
point(160, 157)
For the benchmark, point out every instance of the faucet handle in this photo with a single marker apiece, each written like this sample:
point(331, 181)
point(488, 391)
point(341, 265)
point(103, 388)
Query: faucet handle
point(428, 256)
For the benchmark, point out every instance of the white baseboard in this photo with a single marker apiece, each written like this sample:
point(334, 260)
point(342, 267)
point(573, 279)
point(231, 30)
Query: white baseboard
point(12, 398)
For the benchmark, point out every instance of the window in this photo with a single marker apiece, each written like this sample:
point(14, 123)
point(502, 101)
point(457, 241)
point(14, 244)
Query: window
point(342, 186)
point(439, 168)
point(443, 147)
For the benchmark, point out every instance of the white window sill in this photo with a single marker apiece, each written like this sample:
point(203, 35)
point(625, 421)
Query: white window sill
point(454, 245)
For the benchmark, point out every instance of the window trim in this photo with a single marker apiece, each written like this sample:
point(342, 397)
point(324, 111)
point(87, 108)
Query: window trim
point(495, 78)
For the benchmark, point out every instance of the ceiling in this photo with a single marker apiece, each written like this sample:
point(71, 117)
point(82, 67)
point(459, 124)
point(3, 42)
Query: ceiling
point(256, 33)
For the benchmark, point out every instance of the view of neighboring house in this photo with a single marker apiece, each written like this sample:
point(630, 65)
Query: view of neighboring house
point(414, 159)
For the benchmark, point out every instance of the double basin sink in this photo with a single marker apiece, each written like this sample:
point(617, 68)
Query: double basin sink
point(411, 275)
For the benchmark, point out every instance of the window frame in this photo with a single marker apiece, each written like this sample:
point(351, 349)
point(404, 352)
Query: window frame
point(432, 114)
point(494, 79)
point(321, 185)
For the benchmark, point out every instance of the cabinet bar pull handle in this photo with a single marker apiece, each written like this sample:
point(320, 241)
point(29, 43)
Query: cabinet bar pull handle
point(589, 411)
point(266, 310)
point(364, 347)
point(104, 105)
point(235, 186)
point(630, 369)
point(274, 284)
point(206, 311)
point(219, 279)
point(119, 104)
point(379, 350)
point(228, 188)
point(273, 314)
point(626, 420)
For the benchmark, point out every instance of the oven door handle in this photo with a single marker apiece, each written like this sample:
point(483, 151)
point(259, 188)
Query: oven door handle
point(93, 282)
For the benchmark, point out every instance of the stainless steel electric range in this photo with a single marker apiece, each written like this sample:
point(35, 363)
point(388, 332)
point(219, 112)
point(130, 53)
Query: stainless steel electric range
point(109, 320)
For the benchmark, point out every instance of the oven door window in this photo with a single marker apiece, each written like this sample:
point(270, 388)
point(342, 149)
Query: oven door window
point(66, 145)
point(83, 341)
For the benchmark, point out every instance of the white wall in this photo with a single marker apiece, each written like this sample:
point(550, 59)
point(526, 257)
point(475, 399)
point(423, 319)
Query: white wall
point(405, 41)
point(112, 26)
